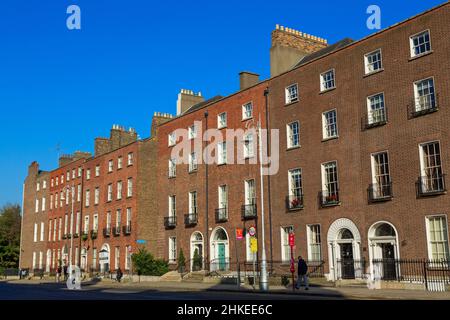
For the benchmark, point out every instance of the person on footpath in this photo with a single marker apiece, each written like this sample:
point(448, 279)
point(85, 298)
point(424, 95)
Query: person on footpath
point(302, 273)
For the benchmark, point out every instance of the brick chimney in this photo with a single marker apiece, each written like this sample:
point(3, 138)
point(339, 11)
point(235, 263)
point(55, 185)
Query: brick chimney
point(248, 79)
point(289, 46)
point(158, 119)
point(118, 137)
point(186, 99)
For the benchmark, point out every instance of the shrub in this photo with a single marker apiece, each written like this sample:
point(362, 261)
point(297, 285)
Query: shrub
point(181, 261)
point(145, 264)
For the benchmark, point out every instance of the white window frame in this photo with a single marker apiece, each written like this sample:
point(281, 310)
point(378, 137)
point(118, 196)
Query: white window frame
point(284, 233)
point(172, 250)
point(86, 224)
point(110, 166)
point(290, 96)
point(323, 175)
point(323, 82)
point(249, 146)
point(88, 196)
point(96, 195)
point(119, 163)
point(130, 159)
point(325, 125)
point(119, 190)
point(172, 206)
point(411, 43)
point(370, 111)
point(95, 222)
point(129, 187)
point(42, 231)
point(97, 170)
point(172, 140)
point(172, 168)
point(427, 227)
point(193, 166)
point(192, 132)
point(247, 194)
point(88, 174)
point(244, 111)
point(193, 202)
point(368, 65)
point(417, 98)
point(290, 135)
point(35, 234)
point(222, 123)
point(222, 153)
point(309, 235)
point(109, 192)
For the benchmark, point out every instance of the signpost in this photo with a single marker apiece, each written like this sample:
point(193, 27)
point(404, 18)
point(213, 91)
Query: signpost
point(292, 244)
point(239, 236)
point(253, 250)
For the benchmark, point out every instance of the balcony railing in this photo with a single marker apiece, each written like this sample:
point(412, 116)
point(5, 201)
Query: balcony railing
point(116, 231)
point(172, 172)
point(190, 219)
point(221, 214)
point(248, 211)
point(69, 236)
point(422, 105)
point(127, 229)
point(375, 118)
point(84, 235)
point(380, 192)
point(431, 185)
point(294, 202)
point(329, 198)
point(94, 234)
point(170, 222)
point(64, 236)
point(107, 232)
point(76, 235)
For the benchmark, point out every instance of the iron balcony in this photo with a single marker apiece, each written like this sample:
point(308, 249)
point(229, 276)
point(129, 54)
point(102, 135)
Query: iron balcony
point(170, 222)
point(222, 215)
point(248, 211)
point(379, 192)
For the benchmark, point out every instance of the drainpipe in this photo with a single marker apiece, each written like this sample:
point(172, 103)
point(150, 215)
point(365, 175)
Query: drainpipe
point(206, 195)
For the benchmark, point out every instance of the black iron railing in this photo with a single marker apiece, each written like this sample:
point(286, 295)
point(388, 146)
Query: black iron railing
point(329, 198)
point(127, 229)
point(170, 222)
point(106, 232)
point(425, 104)
point(350, 269)
point(221, 215)
point(435, 274)
point(116, 231)
point(94, 234)
point(431, 185)
point(294, 202)
point(190, 219)
point(379, 192)
point(248, 211)
point(375, 118)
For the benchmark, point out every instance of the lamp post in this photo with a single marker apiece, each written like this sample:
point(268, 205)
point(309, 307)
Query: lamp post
point(263, 279)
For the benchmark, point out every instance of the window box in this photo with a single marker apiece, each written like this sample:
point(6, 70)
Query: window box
point(294, 202)
point(107, 232)
point(329, 199)
point(94, 234)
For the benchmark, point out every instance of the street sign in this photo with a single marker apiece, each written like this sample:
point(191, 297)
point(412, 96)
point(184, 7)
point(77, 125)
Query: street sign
point(292, 265)
point(253, 245)
point(239, 234)
point(252, 231)
point(140, 241)
point(291, 239)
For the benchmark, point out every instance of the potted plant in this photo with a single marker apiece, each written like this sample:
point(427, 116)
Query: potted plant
point(197, 261)
point(295, 203)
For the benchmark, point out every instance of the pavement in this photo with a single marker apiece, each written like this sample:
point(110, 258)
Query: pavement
point(200, 291)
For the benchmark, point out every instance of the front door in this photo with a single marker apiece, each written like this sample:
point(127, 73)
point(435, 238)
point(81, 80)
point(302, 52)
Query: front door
point(388, 258)
point(347, 262)
point(221, 256)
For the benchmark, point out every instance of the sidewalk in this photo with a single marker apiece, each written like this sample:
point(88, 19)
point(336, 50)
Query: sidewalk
point(331, 292)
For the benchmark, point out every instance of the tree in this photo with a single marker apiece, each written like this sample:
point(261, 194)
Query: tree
point(197, 261)
point(145, 264)
point(10, 224)
point(181, 261)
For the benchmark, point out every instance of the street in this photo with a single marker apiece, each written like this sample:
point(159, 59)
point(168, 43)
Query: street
point(15, 290)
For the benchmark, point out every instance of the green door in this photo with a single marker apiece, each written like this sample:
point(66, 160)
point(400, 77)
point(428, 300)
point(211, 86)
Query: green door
point(222, 262)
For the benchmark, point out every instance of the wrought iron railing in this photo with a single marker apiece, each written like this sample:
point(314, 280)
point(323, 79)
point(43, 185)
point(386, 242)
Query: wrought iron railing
point(431, 185)
point(294, 202)
point(190, 219)
point(329, 198)
point(106, 232)
point(116, 231)
point(350, 269)
point(127, 229)
point(170, 222)
point(248, 211)
point(380, 192)
point(221, 214)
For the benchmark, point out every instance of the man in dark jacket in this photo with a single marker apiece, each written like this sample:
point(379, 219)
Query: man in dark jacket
point(302, 273)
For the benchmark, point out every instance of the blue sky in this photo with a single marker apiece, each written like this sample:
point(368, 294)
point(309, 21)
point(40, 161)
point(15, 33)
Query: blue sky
point(132, 57)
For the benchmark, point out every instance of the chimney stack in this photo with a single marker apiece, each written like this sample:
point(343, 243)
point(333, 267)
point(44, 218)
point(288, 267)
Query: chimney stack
point(248, 79)
point(289, 46)
point(187, 99)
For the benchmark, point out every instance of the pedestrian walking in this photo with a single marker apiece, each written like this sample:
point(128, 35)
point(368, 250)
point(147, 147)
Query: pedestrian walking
point(302, 273)
point(119, 275)
point(58, 273)
point(66, 274)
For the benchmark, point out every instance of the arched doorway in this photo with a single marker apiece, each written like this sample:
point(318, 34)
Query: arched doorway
point(84, 259)
point(344, 242)
point(103, 258)
point(220, 251)
point(49, 260)
point(383, 251)
point(197, 246)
